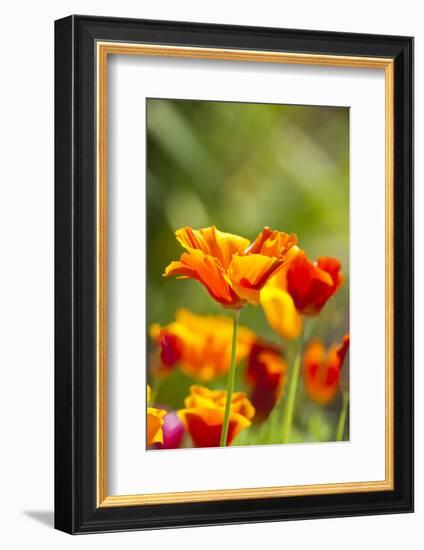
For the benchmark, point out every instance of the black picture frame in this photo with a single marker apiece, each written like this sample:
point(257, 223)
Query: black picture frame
point(76, 510)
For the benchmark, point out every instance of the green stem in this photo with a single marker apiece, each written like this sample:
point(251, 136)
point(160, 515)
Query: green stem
point(291, 395)
point(342, 419)
point(154, 391)
point(230, 383)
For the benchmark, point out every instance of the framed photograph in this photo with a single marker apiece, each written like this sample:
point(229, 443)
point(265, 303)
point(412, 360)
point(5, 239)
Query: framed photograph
point(234, 274)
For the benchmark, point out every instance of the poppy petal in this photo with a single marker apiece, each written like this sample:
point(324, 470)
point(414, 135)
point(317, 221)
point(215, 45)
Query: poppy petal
point(309, 285)
point(281, 312)
point(212, 242)
point(197, 265)
point(322, 370)
point(248, 274)
point(272, 243)
point(205, 425)
point(154, 425)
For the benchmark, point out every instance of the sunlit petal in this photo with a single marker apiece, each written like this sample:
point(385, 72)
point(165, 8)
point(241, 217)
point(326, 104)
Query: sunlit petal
point(212, 242)
point(281, 312)
point(154, 425)
point(232, 271)
point(276, 244)
point(203, 415)
point(197, 265)
point(248, 274)
point(200, 344)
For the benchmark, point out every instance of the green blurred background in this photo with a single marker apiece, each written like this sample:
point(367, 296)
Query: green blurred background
point(243, 166)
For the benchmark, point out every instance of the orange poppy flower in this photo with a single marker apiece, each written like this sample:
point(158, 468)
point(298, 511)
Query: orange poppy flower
point(310, 284)
point(232, 269)
point(203, 415)
point(200, 344)
point(266, 373)
point(322, 370)
point(154, 423)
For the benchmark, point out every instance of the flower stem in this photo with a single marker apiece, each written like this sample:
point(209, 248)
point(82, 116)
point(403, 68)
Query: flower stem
point(291, 395)
point(155, 391)
point(230, 383)
point(342, 419)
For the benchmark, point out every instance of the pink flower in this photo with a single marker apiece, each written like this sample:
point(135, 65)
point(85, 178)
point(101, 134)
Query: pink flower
point(173, 430)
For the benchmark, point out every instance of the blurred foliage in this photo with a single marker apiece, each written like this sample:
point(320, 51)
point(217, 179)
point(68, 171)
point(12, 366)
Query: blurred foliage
point(241, 167)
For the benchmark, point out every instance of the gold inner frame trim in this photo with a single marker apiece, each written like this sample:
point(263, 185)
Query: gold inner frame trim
point(104, 49)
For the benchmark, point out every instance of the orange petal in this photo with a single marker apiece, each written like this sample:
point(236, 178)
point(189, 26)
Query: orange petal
point(272, 243)
point(154, 331)
point(279, 279)
point(213, 242)
point(314, 354)
point(201, 344)
point(322, 370)
point(241, 405)
point(154, 425)
point(248, 274)
point(201, 396)
point(197, 265)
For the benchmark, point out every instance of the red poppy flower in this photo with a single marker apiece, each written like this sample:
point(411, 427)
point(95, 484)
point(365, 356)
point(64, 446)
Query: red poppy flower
point(266, 373)
point(310, 284)
point(171, 348)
